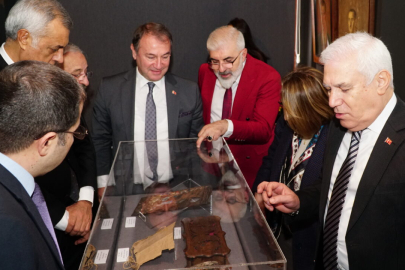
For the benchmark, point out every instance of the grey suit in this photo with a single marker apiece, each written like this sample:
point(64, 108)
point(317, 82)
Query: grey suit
point(114, 110)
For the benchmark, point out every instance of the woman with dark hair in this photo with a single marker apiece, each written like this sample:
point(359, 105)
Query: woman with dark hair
point(295, 158)
point(242, 26)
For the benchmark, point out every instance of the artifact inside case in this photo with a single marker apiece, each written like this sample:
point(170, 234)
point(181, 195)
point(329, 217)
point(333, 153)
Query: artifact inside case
point(205, 241)
point(172, 201)
point(205, 219)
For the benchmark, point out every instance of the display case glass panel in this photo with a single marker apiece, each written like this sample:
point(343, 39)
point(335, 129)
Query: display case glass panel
point(184, 207)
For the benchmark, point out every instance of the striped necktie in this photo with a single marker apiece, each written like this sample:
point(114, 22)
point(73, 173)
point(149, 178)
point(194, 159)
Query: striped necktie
point(330, 232)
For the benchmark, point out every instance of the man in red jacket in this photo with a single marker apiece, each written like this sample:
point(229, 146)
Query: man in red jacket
point(240, 97)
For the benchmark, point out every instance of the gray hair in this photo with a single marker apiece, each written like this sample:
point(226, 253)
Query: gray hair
point(223, 35)
point(34, 16)
point(72, 48)
point(371, 54)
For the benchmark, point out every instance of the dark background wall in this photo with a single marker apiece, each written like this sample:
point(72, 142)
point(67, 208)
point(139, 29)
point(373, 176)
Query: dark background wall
point(103, 29)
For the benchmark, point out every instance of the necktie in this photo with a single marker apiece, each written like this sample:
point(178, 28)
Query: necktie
point(150, 131)
point(40, 203)
point(227, 104)
point(336, 204)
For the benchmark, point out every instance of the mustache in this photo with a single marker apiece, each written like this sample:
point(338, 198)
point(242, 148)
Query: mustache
point(226, 72)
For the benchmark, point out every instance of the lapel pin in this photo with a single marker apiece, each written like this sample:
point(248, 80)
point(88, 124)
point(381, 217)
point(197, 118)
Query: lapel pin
point(174, 92)
point(388, 141)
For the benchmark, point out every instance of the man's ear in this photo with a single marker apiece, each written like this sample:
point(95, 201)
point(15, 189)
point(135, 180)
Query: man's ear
point(24, 38)
point(134, 54)
point(244, 52)
point(46, 142)
point(383, 81)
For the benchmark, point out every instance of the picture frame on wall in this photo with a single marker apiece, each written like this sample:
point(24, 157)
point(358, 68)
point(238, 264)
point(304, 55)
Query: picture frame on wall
point(321, 26)
point(353, 16)
point(332, 19)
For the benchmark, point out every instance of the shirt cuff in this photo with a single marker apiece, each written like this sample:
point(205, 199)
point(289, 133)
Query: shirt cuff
point(63, 223)
point(86, 194)
point(102, 181)
point(229, 132)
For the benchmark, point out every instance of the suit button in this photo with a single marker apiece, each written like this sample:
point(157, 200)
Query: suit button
point(248, 157)
point(247, 118)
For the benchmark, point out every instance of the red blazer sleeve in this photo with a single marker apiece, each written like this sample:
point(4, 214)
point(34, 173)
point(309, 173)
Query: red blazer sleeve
point(256, 104)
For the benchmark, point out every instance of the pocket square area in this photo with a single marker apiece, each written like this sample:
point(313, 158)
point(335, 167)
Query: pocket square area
point(182, 114)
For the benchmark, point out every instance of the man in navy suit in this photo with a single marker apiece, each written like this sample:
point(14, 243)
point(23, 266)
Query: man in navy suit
point(39, 116)
point(360, 201)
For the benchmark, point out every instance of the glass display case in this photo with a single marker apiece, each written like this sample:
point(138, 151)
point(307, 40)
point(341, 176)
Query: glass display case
point(169, 205)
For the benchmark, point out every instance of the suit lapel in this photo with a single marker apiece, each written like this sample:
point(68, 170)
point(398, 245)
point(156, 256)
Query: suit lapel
point(243, 92)
point(18, 191)
point(379, 160)
point(128, 103)
point(207, 95)
point(335, 137)
point(172, 103)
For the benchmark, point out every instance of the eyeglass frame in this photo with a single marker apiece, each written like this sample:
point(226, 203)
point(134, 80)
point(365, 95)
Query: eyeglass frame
point(81, 76)
point(224, 61)
point(80, 135)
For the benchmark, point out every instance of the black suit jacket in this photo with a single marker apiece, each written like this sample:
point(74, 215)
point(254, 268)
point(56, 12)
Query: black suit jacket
point(375, 236)
point(25, 242)
point(56, 185)
point(3, 63)
point(114, 110)
point(305, 232)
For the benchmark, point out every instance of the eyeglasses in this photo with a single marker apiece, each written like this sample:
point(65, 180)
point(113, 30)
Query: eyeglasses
point(227, 63)
point(80, 133)
point(82, 75)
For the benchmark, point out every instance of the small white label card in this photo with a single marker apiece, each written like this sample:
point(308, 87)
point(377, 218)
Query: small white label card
point(122, 254)
point(107, 224)
point(177, 233)
point(130, 222)
point(101, 256)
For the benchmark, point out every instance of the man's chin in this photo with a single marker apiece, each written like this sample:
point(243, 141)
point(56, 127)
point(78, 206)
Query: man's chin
point(226, 83)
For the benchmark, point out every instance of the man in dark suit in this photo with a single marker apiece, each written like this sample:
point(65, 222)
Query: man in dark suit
point(146, 96)
point(71, 200)
point(34, 138)
point(240, 97)
point(360, 200)
point(35, 30)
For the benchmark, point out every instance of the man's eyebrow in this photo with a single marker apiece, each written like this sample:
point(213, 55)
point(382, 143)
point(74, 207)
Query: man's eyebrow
point(340, 85)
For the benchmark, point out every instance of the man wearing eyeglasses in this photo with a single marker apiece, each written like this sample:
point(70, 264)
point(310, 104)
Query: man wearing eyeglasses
point(35, 138)
point(70, 199)
point(75, 63)
point(240, 99)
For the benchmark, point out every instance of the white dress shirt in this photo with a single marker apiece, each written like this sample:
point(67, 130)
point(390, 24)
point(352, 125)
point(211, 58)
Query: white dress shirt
point(5, 56)
point(367, 142)
point(142, 172)
point(218, 102)
point(85, 193)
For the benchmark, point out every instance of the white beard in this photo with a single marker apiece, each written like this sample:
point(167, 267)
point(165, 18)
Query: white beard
point(227, 83)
